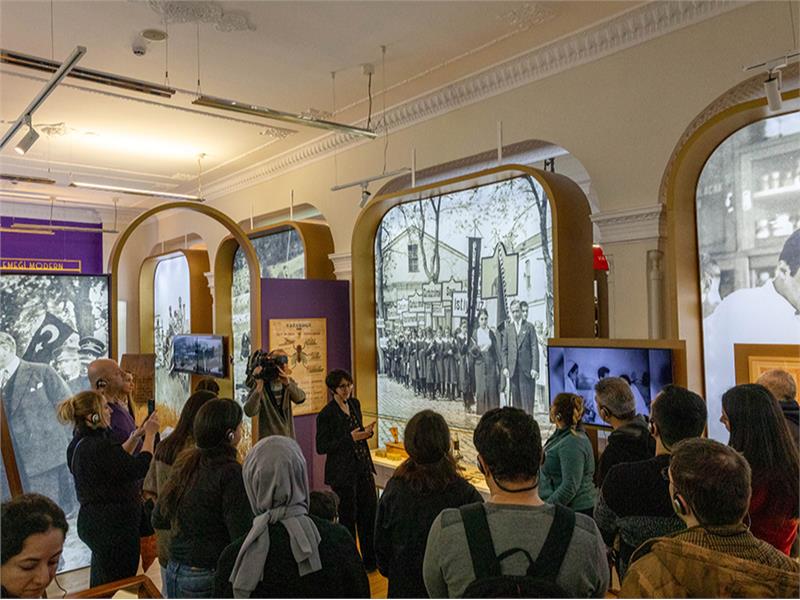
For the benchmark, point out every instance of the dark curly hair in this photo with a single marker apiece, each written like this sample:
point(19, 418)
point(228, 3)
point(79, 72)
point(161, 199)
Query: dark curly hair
point(25, 516)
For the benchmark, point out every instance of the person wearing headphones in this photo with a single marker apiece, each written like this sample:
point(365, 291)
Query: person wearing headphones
point(716, 556)
point(204, 501)
point(107, 479)
point(634, 503)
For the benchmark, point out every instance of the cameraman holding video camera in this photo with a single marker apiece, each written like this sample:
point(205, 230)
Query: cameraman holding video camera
point(272, 393)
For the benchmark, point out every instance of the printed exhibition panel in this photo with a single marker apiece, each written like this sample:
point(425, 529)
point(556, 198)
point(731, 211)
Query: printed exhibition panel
point(464, 305)
point(748, 229)
point(171, 315)
point(281, 256)
point(51, 328)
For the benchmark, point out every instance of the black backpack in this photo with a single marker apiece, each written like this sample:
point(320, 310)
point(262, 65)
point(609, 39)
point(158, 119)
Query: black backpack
point(540, 579)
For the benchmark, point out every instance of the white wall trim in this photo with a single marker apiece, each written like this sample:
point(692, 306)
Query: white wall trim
point(342, 264)
point(636, 26)
point(631, 225)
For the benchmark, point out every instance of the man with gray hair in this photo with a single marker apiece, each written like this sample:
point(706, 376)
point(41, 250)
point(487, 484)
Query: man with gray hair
point(30, 392)
point(782, 385)
point(630, 440)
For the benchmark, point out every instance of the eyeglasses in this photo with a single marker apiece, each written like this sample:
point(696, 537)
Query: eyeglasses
point(344, 386)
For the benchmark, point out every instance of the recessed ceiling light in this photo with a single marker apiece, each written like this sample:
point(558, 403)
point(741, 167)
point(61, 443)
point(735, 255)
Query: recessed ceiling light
point(154, 35)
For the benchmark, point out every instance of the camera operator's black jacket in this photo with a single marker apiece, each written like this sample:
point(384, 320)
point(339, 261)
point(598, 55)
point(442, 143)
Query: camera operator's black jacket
point(274, 419)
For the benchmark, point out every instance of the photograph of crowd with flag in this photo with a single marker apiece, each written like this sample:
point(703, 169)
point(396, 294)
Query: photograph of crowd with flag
point(464, 304)
point(51, 328)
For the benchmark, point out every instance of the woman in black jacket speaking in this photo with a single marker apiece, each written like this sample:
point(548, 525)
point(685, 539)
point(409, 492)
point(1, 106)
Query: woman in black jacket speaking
point(341, 435)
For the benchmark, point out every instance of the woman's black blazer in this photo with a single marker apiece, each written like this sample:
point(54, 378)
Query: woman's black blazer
point(334, 440)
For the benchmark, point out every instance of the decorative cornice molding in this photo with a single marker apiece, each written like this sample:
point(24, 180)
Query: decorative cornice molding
point(630, 225)
point(636, 26)
point(342, 264)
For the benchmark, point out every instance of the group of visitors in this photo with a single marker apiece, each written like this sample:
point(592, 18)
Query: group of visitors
point(678, 514)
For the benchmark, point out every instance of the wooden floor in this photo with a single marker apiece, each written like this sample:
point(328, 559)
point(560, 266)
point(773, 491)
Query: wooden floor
point(378, 585)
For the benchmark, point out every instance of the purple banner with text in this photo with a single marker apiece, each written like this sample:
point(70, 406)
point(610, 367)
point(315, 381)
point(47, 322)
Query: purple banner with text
point(28, 246)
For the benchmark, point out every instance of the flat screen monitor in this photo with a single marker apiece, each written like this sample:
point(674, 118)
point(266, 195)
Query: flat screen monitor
point(576, 369)
point(200, 354)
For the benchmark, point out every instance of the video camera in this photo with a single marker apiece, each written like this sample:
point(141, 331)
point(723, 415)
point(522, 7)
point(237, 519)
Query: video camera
point(271, 366)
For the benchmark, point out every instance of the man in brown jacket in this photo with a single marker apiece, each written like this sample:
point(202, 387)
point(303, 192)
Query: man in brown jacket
point(717, 556)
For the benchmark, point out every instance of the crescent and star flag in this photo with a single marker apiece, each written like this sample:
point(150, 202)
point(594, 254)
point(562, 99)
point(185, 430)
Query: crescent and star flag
point(52, 334)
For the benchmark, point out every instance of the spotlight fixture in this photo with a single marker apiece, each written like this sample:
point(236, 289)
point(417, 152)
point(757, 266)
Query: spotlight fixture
point(772, 84)
point(63, 70)
point(29, 140)
point(365, 194)
point(279, 115)
point(772, 89)
point(134, 191)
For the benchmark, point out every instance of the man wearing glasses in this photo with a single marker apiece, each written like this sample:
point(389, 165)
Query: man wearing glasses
point(635, 503)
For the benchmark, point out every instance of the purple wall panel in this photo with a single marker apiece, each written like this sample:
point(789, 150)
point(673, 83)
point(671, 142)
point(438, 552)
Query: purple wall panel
point(311, 298)
point(66, 247)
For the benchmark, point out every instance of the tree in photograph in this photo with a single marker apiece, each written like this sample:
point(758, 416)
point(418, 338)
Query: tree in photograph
point(542, 205)
point(430, 265)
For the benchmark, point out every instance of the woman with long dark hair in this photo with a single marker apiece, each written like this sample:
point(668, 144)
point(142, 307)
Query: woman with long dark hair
point(567, 474)
point(759, 431)
point(107, 479)
point(182, 438)
point(204, 501)
point(422, 487)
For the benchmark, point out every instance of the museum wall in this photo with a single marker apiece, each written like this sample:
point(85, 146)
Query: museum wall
point(620, 116)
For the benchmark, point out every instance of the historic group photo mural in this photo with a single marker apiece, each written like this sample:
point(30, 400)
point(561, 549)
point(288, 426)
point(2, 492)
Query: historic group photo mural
point(464, 301)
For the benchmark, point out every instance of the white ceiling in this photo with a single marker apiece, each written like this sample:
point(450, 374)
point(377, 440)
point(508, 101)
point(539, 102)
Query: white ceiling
point(128, 139)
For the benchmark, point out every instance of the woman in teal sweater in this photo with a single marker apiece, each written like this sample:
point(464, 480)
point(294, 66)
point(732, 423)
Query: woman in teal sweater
point(568, 470)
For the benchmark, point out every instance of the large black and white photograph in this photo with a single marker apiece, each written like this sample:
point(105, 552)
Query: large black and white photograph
point(51, 328)
point(748, 227)
point(464, 300)
point(171, 317)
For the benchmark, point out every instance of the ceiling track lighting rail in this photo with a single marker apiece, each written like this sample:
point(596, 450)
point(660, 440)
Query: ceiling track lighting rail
point(31, 227)
point(364, 183)
point(14, 179)
point(50, 66)
point(134, 191)
point(279, 115)
point(25, 117)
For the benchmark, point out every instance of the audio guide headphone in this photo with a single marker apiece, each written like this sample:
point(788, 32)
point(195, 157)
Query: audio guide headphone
point(679, 505)
point(95, 419)
point(231, 436)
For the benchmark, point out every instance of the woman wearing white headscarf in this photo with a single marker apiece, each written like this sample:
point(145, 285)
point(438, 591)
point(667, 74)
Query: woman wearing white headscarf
point(287, 553)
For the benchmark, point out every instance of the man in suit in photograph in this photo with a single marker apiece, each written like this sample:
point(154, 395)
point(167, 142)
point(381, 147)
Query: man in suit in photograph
point(30, 393)
point(520, 356)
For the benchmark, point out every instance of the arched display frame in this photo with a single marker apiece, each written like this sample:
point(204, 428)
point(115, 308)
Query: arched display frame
point(200, 319)
point(572, 262)
point(317, 246)
point(740, 106)
point(236, 232)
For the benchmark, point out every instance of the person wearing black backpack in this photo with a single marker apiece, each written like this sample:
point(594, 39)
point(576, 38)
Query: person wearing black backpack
point(515, 545)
